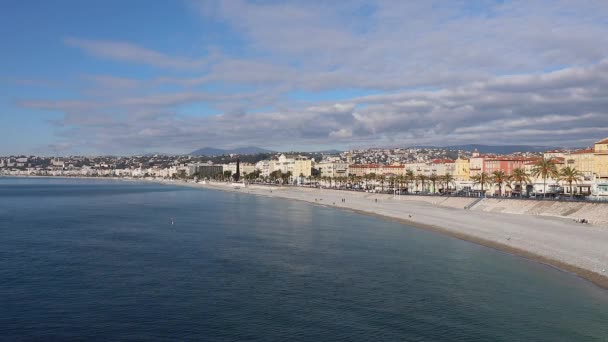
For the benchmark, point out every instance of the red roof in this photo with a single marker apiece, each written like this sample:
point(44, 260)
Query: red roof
point(442, 161)
point(511, 159)
point(588, 150)
point(605, 141)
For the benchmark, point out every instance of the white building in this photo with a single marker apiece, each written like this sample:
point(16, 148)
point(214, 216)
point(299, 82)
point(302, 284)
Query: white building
point(333, 169)
point(244, 168)
point(264, 167)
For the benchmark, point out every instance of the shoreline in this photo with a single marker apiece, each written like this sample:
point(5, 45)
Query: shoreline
point(595, 278)
point(453, 222)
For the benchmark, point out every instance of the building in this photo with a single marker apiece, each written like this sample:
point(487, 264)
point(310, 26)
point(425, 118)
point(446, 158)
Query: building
point(392, 170)
point(476, 164)
point(264, 167)
point(333, 169)
point(441, 167)
point(417, 168)
point(507, 164)
point(554, 154)
point(462, 170)
point(208, 170)
point(244, 168)
point(302, 167)
point(360, 170)
point(583, 161)
point(297, 165)
point(600, 160)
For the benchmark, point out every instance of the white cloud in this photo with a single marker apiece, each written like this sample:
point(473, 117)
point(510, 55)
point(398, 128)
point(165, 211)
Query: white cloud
point(123, 51)
point(442, 73)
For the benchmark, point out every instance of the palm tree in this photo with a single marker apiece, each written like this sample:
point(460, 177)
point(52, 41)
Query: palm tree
point(286, 176)
point(481, 179)
point(571, 175)
point(545, 168)
point(351, 180)
point(381, 178)
point(520, 177)
point(422, 178)
point(401, 180)
point(410, 177)
point(434, 178)
point(499, 178)
point(448, 179)
point(370, 177)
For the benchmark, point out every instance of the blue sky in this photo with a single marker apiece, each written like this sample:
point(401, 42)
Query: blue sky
point(125, 77)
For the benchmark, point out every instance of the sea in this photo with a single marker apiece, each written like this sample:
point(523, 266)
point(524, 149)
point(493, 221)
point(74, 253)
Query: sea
point(103, 260)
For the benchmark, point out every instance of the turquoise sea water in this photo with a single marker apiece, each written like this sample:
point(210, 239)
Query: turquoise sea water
point(100, 260)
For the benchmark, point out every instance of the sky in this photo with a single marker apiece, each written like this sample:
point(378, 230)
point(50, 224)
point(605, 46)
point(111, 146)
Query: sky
point(172, 76)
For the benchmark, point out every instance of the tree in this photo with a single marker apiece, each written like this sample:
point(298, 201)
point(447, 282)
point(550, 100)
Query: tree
point(448, 179)
point(571, 175)
point(422, 178)
point(520, 177)
point(227, 174)
point(286, 176)
point(275, 175)
point(410, 177)
point(545, 168)
point(392, 181)
point(370, 177)
point(400, 180)
point(481, 179)
point(434, 178)
point(499, 178)
point(381, 178)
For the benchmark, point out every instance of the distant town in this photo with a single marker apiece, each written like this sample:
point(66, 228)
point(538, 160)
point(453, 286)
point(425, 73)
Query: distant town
point(572, 173)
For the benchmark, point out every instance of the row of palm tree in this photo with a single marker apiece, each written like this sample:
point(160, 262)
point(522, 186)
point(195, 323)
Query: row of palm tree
point(543, 168)
point(396, 182)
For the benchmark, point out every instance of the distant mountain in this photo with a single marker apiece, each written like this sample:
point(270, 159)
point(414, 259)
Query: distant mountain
point(210, 151)
point(501, 149)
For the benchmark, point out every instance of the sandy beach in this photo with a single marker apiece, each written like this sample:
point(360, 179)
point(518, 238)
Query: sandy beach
point(556, 241)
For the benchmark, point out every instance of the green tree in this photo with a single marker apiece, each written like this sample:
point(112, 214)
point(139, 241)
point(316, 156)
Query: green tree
point(276, 175)
point(286, 176)
point(422, 179)
point(382, 179)
point(481, 179)
point(370, 177)
point(545, 168)
point(571, 175)
point(520, 177)
point(434, 178)
point(499, 178)
point(410, 177)
point(448, 179)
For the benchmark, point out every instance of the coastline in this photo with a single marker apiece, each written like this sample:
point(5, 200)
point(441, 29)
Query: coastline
point(567, 263)
point(554, 241)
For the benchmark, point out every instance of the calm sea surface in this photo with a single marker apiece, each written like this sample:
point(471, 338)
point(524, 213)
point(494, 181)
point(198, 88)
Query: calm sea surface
point(100, 260)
